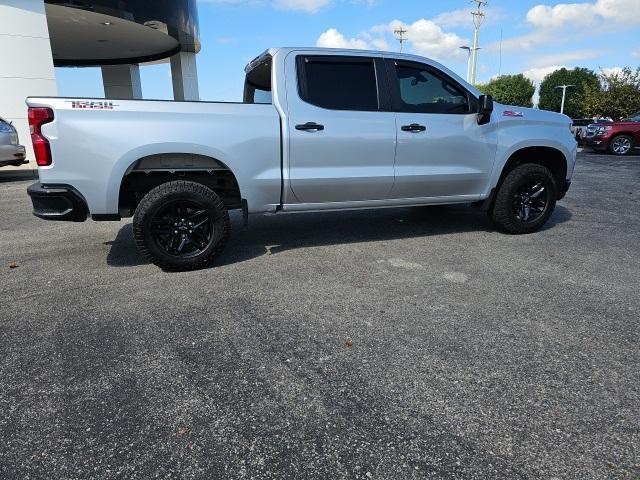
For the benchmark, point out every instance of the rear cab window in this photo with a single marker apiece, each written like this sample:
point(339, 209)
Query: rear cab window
point(257, 86)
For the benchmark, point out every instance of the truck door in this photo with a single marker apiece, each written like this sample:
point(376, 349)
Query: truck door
point(442, 151)
point(341, 131)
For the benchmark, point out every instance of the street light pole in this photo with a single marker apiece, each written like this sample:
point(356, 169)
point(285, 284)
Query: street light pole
point(564, 95)
point(468, 49)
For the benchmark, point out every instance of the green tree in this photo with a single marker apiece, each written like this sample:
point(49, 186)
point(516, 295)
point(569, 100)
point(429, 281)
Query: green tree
point(510, 90)
point(618, 98)
point(551, 97)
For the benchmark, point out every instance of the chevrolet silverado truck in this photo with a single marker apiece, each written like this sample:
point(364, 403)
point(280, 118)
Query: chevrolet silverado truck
point(318, 130)
point(618, 138)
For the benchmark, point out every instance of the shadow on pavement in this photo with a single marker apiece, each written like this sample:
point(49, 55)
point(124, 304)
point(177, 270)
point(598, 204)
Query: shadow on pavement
point(123, 252)
point(17, 175)
point(279, 233)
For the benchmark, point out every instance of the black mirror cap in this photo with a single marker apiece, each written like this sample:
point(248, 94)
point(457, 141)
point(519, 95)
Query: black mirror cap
point(485, 109)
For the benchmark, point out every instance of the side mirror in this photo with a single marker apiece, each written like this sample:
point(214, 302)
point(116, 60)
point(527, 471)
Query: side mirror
point(484, 109)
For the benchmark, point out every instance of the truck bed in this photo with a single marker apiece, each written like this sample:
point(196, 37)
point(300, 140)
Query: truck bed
point(96, 138)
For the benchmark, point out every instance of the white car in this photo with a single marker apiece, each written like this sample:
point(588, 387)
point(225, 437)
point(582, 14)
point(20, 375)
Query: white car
point(319, 129)
point(11, 152)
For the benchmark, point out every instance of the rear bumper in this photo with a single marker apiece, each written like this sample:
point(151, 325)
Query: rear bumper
point(58, 202)
point(12, 155)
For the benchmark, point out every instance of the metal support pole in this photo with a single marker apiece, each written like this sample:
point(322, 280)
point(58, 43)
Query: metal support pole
point(564, 95)
point(474, 63)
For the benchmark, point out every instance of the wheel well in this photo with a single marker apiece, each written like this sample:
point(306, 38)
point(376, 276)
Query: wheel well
point(548, 157)
point(626, 134)
point(148, 172)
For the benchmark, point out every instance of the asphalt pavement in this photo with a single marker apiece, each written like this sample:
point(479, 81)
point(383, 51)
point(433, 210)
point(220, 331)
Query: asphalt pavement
point(387, 344)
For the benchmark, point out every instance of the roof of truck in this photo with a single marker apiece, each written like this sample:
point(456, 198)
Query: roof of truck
point(350, 51)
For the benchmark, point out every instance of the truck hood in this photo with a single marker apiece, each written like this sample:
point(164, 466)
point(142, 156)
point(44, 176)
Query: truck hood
point(511, 113)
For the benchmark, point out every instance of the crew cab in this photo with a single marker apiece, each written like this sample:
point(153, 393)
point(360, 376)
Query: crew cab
point(618, 138)
point(319, 129)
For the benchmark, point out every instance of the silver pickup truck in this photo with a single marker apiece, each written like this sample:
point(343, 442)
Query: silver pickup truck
point(318, 130)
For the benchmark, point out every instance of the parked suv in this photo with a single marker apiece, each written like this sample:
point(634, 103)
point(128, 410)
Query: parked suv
point(11, 152)
point(618, 138)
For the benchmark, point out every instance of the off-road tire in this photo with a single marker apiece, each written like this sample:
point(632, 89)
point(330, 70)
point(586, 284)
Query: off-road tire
point(180, 191)
point(504, 214)
point(612, 149)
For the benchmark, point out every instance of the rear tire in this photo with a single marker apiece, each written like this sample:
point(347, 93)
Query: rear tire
point(181, 225)
point(621, 145)
point(525, 200)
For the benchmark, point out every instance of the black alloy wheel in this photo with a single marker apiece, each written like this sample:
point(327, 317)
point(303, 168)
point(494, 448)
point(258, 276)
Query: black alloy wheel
point(181, 225)
point(530, 201)
point(183, 228)
point(525, 199)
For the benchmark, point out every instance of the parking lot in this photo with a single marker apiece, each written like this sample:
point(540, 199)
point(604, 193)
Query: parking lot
point(388, 344)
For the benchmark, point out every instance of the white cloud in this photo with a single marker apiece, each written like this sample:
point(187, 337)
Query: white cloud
point(428, 39)
point(537, 74)
point(309, 6)
point(554, 17)
point(612, 70)
point(584, 14)
point(564, 23)
point(332, 38)
point(424, 36)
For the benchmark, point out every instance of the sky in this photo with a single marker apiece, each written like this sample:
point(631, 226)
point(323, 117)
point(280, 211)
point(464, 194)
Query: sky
point(533, 37)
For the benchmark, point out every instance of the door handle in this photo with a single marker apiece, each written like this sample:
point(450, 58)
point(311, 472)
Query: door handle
point(310, 127)
point(414, 127)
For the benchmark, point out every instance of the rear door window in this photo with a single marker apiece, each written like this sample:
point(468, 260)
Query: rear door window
point(339, 83)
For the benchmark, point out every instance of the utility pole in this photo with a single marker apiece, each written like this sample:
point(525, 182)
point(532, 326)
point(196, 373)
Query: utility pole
point(478, 19)
point(564, 95)
point(400, 36)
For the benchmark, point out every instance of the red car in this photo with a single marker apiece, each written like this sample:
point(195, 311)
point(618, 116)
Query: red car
point(618, 138)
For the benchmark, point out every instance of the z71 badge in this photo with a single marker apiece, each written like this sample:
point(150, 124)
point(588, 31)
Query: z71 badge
point(86, 105)
point(511, 113)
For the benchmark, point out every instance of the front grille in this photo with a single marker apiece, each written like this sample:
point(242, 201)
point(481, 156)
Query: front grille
point(591, 131)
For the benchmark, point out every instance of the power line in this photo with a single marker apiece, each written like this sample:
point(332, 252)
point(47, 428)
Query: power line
point(500, 65)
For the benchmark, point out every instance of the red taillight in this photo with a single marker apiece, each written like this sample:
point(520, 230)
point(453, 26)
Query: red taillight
point(38, 117)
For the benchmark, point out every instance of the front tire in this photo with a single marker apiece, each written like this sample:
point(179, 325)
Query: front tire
point(621, 145)
point(525, 200)
point(181, 225)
